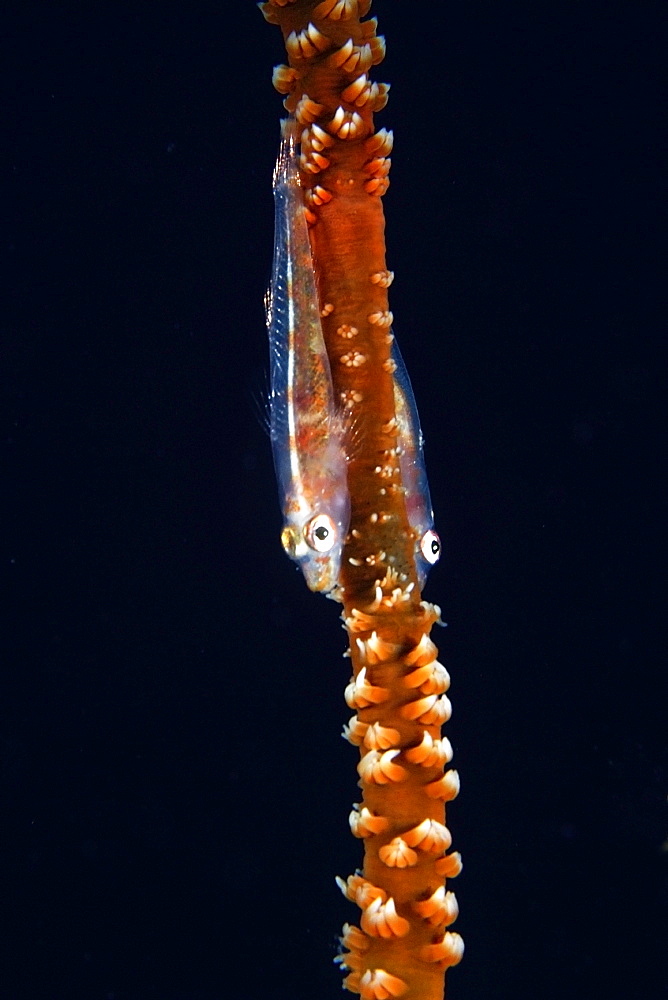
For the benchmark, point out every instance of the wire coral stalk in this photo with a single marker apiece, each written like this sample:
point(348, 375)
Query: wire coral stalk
point(402, 944)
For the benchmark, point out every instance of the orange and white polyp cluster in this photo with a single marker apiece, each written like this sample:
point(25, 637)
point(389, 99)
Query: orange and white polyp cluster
point(402, 945)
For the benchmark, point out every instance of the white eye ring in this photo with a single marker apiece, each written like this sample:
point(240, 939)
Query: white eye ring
point(430, 547)
point(320, 533)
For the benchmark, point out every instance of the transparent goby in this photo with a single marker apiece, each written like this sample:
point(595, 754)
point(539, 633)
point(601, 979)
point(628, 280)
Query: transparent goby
point(306, 427)
point(413, 471)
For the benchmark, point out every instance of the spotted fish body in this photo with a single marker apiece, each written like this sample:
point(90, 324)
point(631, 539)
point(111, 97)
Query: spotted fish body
point(413, 470)
point(306, 429)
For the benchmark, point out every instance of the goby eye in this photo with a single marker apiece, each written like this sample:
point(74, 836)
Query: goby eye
point(430, 547)
point(320, 533)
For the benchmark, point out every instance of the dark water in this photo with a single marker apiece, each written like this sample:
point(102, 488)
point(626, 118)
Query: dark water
point(174, 789)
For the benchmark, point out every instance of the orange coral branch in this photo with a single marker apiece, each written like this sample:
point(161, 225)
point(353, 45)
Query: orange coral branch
point(402, 945)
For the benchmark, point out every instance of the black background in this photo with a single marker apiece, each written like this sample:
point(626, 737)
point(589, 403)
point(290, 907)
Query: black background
point(174, 788)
